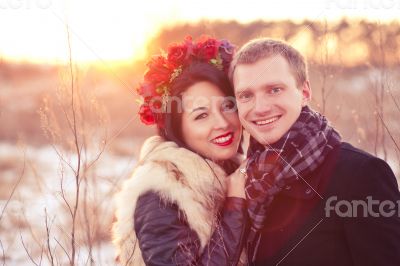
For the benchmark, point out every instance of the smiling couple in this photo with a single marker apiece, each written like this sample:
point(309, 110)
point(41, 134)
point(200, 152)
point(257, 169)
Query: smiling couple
point(193, 199)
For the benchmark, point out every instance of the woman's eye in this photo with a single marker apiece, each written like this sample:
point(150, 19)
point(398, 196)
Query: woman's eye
point(200, 116)
point(228, 106)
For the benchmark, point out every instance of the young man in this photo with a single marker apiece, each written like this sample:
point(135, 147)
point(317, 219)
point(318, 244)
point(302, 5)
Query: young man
point(313, 199)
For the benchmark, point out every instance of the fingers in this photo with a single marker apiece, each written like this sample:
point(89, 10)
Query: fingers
point(243, 164)
point(242, 169)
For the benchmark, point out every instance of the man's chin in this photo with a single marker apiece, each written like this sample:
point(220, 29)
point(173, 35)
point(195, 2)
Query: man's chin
point(265, 139)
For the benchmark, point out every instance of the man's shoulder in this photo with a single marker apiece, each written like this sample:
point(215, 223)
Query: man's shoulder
point(339, 169)
point(350, 154)
point(352, 159)
point(355, 168)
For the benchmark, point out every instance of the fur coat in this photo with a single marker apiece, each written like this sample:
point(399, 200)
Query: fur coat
point(179, 176)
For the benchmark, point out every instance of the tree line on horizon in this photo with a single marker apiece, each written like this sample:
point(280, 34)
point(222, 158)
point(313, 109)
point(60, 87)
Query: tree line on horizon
point(367, 43)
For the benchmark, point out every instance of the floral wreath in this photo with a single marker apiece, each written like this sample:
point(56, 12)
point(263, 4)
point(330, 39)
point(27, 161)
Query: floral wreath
point(163, 69)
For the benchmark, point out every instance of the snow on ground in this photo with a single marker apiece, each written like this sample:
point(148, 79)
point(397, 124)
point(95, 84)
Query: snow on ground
point(40, 190)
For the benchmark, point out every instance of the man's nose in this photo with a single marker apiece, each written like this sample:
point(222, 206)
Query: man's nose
point(262, 105)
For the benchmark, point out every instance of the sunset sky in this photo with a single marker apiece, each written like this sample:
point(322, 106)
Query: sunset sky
point(35, 30)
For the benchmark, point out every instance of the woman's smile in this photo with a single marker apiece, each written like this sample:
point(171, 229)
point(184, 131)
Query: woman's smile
point(224, 140)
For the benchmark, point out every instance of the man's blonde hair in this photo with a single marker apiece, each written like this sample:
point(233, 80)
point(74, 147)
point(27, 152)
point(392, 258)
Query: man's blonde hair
point(258, 49)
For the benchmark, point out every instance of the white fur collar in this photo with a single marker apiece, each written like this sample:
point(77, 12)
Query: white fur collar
point(179, 176)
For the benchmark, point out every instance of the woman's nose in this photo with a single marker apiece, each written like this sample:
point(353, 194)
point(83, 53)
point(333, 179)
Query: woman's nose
point(221, 122)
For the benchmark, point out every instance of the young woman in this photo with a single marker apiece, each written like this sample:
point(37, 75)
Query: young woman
point(185, 203)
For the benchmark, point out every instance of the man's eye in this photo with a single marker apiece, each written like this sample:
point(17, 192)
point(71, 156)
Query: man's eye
point(200, 116)
point(245, 96)
point(275, 90)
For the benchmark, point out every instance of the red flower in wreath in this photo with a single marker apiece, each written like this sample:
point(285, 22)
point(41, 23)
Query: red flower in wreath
point(177, 54)
point(159, 71)
point(163, 69)
point(207, 48)
point(146, 115)
point(147, 90)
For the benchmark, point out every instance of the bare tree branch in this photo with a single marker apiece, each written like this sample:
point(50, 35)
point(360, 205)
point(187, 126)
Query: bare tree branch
point(88, 227)
point(383, 79)
point(3, 254)
point(77, 150)
point(49, 251)
point(14, 188)
point(27, 252)
point(30, 229)
point(388, 131)
point(63, 194)
point(78, 138)
point(62, 247)
point(394, 99)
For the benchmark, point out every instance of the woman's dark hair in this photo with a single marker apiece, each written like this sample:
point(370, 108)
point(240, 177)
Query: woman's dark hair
point(195, 72)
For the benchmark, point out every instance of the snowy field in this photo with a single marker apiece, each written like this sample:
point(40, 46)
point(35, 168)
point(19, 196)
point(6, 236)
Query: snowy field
point(39, 192)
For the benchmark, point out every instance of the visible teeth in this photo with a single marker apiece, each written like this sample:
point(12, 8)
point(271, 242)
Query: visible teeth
point(223, 139)
point(264, 122)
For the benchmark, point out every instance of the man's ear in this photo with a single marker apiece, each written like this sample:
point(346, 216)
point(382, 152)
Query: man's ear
point(306, 91)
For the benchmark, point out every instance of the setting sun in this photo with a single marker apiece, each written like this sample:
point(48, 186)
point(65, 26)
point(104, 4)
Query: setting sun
point(97, 32)
point(35, 30)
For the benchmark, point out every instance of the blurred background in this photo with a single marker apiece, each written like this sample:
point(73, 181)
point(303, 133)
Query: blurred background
point(69, 130)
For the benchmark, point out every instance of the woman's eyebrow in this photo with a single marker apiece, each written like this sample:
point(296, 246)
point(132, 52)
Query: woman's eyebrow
point(199, 108)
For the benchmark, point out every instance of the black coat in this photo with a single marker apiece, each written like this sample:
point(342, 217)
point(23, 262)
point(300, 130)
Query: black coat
point(300, 231)
point(165, 237)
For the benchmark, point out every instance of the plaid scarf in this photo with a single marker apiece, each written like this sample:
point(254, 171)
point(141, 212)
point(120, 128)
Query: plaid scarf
point(295, 156)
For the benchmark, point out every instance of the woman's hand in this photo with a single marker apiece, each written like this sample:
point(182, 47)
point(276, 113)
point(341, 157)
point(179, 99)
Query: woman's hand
point(236, 182)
